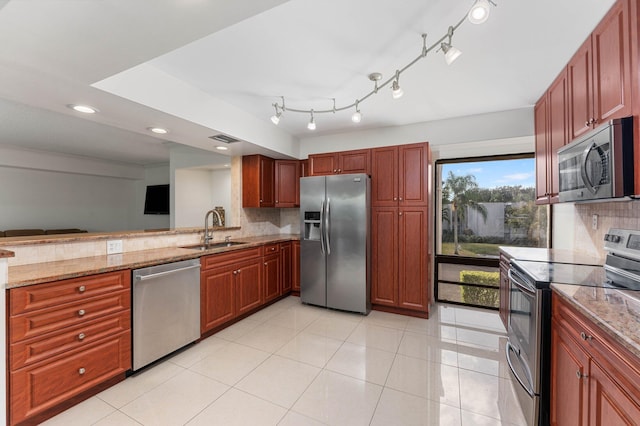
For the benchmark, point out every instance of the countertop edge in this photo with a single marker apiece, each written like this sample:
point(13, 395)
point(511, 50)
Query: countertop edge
point(615, 333)
point(39, 273)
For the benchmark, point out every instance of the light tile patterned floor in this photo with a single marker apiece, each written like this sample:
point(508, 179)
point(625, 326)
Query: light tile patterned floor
point(292, 364)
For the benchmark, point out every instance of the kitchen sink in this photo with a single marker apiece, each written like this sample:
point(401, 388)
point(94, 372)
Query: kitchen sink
point(213, 245)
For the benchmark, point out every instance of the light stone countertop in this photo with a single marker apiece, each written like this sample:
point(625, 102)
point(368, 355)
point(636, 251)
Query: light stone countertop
point(616, 312)
point(550, 255)
point(36, 273)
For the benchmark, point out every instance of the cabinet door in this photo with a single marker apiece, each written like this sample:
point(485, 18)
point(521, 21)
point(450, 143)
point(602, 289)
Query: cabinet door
point(580, 91)
point(608, 403)
point(323, 164)
point(267, 176)
point(384, 177)
point(384, 252)
point(557, 132)
point(217, 296)
point(271, 277)
point(248, 285)
point(287, 178)
point(354, 161)
point(413, 174)
point(611, 65)
point(569, 386)
point(413, 261)
point(295, 266)
point(285, 267)
point(542, 156)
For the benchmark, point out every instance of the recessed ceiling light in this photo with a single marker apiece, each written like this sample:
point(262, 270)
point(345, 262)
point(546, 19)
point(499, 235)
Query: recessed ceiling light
point(86, 109)
point(158, 130)
point(222, 148)
point(226, 165)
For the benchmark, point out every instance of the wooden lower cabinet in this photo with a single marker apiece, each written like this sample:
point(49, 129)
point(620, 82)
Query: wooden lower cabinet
point(217, 297)
point(295, 266)
point(249, 286)
point(64, 339)
point(286, 270)
point(271, 277)
point(594, 380)
point(400, 258)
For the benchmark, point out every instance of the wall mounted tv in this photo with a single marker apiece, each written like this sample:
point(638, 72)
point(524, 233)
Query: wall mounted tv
point(156, 200)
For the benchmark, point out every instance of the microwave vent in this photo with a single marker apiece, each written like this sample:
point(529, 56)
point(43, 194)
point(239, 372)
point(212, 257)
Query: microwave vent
point(223, 138)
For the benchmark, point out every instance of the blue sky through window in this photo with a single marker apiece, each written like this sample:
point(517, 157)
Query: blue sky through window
point(491, 174)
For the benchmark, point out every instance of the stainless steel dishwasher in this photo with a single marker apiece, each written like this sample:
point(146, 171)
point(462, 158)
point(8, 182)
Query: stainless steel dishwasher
point(166, 309)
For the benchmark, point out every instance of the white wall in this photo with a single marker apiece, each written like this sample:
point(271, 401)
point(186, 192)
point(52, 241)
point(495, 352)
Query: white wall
point(496, 133)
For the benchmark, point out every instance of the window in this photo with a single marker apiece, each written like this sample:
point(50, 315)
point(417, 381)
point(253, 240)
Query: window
point(484, 203)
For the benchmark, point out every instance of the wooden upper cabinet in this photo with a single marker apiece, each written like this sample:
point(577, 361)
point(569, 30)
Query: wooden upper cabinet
point(558, 130)
point(540, 117)
point(258, 181)
point(600, 73)
point(332, 163)
point(287, 181)
point(400, 175)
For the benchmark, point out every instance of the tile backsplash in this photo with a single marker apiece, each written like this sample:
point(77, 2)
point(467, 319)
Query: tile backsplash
point(581, 237)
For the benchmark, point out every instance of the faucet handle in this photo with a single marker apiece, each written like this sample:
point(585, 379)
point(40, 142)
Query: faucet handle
point(227, 238)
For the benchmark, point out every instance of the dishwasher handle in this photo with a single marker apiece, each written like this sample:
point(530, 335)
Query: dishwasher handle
point(162, 274)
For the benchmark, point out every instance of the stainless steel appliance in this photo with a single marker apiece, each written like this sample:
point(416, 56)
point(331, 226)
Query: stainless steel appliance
point(334, 244)
point(599, 165)
point(166, 309)
point(528, 348)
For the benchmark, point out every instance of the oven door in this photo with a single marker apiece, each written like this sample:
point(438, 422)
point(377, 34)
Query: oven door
point(523, 344)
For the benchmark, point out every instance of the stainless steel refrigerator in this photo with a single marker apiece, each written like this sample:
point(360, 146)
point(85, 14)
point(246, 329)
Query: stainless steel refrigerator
point(334, 244)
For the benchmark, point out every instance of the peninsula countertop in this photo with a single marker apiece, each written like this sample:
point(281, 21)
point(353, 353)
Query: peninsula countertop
point(36, 273)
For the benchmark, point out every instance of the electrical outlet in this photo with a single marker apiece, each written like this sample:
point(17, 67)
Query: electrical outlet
point(114, 246)
point(594, 222)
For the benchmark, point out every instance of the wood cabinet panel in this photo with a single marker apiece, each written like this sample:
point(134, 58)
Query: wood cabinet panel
point(67, 339)
point(44, 385)
point(30, 298)
point(258, 176)
point(413, 174)
point(287, 181)
point(568, 386)
point(413, 262)
point(323, 164)
point(542, 156)
point(271, 277)
point(217, 297)
point(558, 133)
point(354, 161)
point(295, 266)
point(33, 324)
point(384, 251)
point(608, 402)
point(216, 260)
point(580, 91)
point(248, 286)
point(286, 270)
point(384, 176)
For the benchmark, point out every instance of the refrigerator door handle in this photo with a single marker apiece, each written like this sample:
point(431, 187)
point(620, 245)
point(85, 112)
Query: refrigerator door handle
point(322, 228)
point(327, 226)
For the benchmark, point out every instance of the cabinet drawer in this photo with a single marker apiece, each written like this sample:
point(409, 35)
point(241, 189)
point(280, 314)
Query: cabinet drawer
point(271, 248)
point(34, 324)
point(216, 260)
point(38, 349)
point(42, 386)
point(39, 296)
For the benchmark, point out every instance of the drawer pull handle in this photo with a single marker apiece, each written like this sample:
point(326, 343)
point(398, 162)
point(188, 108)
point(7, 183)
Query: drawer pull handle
point(579, 375)
point(81, 336)
point(81, 371)
point(585, 336)
point(82, 289)
point(81, 312)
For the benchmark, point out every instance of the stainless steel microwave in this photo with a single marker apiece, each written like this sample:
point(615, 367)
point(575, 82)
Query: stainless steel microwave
point(598, 165)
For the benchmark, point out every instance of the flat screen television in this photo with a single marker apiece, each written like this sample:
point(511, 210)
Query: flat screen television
point(156, 200)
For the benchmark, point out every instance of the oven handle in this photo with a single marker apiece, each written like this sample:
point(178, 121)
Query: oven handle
point(521, 285)
point(511, 348)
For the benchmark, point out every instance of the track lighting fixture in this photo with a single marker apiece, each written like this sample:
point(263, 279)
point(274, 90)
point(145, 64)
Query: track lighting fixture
point(357, 116)
point(478, 14)
point(312, 123)
point(397, 91)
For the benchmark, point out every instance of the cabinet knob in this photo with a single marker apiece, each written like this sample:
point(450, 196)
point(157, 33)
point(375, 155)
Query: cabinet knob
point(586, 124)
point(400, 198)
point(579, 375)
point(261, 200)
point(82, 289)
point(81, 336)
point(81, 371)
point(235, 272)
point(265, 263)
point(81, 312)
point(335, 171)
point(395, 198)
point(339, 170)
point(400, 214)
point(239, 270)
point(585, 336)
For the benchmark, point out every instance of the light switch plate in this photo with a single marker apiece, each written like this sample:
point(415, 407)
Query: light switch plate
point(114, 246)
point(594, 222)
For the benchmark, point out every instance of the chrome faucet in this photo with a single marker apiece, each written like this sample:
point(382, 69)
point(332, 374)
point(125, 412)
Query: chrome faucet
point(209, 236)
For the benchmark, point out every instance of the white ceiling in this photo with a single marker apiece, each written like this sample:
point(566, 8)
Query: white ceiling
point(248, 53)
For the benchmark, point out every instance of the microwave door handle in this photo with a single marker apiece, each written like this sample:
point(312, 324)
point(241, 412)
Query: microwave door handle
point(510, 349)
point(583, 169)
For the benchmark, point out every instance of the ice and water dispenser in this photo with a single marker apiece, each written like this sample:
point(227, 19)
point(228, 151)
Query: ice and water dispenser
point(312, 226)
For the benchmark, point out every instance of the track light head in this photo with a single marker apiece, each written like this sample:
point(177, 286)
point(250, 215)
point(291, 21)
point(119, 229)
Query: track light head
point(312, 124)
point(396, 90)
point(356, 117)
point(479, 12)
point(275, 119)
